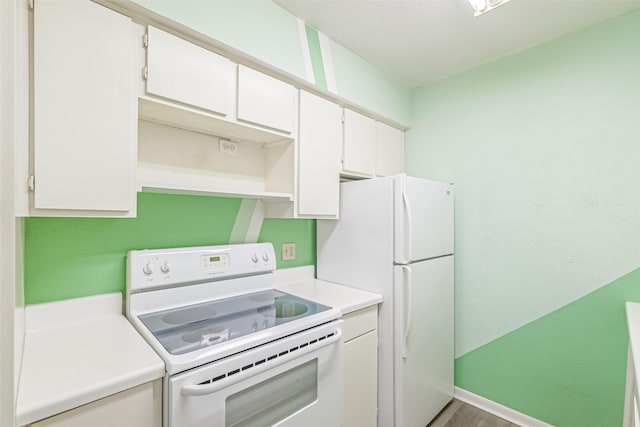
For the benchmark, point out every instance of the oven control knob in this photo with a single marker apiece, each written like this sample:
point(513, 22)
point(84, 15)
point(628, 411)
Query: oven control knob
point(147, 269)
point(254, 258)
point(265, 257)
point(165, 267)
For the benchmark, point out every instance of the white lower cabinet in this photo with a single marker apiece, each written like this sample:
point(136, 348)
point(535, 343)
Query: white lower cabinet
point(140, 406)
point(361, 368)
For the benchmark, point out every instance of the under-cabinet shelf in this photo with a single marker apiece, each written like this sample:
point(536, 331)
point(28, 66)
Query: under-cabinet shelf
point(192, 119)
point(175, 160)
point(159, 179)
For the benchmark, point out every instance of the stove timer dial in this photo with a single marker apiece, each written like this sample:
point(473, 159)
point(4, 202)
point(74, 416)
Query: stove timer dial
point(148, 269)
point(165, 267)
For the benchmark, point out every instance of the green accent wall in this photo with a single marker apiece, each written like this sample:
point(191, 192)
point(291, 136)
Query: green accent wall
point(74, 257)
point(543, 149)
point(316, 57)
point(566, 368)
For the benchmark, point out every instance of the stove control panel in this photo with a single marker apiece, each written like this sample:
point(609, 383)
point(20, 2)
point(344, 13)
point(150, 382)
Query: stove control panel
point(158, 268)
point(216, 262)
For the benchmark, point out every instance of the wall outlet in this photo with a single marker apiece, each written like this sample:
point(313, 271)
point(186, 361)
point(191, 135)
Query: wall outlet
point(227, 147)
point(288, 251)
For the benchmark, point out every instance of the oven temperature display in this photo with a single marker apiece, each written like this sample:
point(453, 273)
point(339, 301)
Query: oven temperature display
point(215, 262)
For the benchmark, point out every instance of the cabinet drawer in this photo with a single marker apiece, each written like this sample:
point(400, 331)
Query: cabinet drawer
point(360, 322)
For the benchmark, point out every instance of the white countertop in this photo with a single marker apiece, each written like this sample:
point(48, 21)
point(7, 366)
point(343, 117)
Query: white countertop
point(78, 351)
point(300, 282)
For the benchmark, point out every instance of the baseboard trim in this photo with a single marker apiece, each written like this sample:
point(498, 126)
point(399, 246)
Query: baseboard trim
point(497, 409)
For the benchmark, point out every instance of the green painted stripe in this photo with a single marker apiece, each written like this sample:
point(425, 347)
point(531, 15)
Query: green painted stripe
point(316, 57)
point(566, 368)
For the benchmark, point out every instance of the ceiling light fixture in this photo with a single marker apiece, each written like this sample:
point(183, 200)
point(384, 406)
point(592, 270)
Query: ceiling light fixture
point(483, 6)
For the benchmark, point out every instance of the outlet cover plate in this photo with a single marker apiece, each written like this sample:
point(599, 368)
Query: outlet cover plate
point(288, 251)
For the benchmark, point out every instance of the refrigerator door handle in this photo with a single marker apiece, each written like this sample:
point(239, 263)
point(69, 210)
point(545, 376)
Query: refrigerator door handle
point(408, 226)
point(408, 307)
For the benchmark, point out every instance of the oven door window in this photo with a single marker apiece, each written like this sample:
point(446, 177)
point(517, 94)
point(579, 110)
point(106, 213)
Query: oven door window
point(274, 399)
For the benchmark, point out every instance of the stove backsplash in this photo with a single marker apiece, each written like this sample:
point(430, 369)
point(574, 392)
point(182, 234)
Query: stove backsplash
point(74, 257)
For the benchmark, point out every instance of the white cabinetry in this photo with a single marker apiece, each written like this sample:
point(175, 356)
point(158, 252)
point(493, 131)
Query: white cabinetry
point(140, 406)
point(358, 145)
point(361, 368)
point(370, 148)
point(183, 72)
point(209, 126)
point(318, 157)
point(84, 119)
point(266, 101)
point(389, 150)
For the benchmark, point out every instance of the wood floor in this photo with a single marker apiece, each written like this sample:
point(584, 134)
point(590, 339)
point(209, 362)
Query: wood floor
point(459, 414)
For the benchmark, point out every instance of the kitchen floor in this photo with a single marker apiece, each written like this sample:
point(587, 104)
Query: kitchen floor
point(459, 414)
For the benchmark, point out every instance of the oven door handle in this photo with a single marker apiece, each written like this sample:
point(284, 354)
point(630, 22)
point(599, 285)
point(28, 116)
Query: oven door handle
point(204, 389)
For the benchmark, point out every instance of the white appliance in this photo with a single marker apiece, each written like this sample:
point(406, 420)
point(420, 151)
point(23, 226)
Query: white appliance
point(395, 237)
point(237, 352)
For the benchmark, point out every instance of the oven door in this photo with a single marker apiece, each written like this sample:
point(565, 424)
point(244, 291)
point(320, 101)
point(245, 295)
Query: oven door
point(295, 381)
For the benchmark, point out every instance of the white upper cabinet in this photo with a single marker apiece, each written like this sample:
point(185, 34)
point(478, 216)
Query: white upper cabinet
point(319, 157)
point(370, 148)
point(389, 150)
point(84, 110)
point(358, 145)
point(266, 101)
point(184, 72)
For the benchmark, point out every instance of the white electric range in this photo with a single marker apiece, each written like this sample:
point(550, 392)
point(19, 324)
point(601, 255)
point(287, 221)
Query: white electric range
point(237, 351)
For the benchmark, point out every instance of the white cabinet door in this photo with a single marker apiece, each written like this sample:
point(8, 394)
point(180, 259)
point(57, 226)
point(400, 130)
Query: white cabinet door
point(358, 145)
point(189, 74)
point(140, 406)
point(265, 101)
point(83, 107)
point(319, 156)
point(389, 150)
point(361, 381)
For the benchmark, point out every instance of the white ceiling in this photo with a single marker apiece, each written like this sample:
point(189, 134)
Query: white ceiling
point(422, 40)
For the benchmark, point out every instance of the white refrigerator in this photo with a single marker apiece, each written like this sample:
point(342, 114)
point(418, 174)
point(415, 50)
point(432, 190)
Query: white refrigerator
point(395, 237)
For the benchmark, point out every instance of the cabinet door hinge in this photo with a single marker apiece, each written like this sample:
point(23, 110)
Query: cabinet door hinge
point(145, 40)
point(30, 3)
point(31, 183)
point(145, 72)
point(343, 115)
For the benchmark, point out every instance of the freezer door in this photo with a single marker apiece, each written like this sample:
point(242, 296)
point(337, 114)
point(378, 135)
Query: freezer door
point(423, 338)
point(424, 219)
